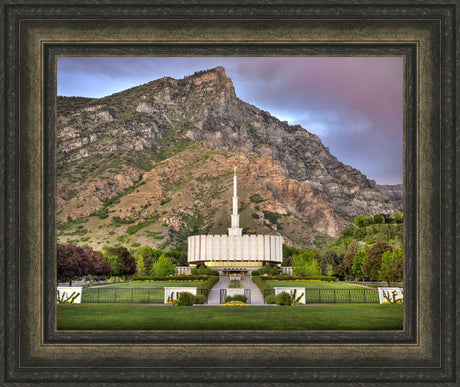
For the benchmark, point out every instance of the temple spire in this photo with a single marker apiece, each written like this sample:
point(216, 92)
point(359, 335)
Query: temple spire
point(235, 218)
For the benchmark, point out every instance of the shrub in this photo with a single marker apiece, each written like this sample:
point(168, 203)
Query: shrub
point(271, 299)
point(236, 297)
point(186, 299)
point(261, 284)
point(202, 270)
point(300, 278)
point(182, 277)
point(234, 284)
point(274, 271)
point(256, 198)
point(255, 272)
point(199, 299)
point(209, 283)
point(283, 298)
point(264, 270)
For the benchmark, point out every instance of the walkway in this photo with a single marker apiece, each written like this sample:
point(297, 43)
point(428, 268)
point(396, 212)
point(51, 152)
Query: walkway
point(256, 295)
point(214, 294)
point(246, 282)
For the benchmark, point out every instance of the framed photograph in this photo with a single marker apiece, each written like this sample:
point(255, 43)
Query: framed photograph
point(38, 36)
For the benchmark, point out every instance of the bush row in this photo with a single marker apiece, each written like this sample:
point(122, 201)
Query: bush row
point(261, 284)
point(173, 278)
point(297, 278)
point(204, 271)
point(209, 283)
point(267, 270)
point(283, 298)
point(188, 299)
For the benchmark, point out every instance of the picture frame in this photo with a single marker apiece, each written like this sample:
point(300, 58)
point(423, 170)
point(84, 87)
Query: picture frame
point(423, 33)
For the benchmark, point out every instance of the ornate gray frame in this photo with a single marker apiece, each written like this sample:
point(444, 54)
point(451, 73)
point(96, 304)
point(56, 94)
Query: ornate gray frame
point(33, 35)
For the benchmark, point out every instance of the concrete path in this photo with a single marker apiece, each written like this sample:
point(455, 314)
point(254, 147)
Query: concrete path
point(214, 294)
point(256, 295)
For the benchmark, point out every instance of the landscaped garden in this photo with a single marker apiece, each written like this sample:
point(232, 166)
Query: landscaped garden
point(134, 292)
point(148, 317)
point(310, 285)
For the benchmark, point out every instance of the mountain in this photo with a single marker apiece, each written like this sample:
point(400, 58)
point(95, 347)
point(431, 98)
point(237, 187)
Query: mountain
point(153, 164)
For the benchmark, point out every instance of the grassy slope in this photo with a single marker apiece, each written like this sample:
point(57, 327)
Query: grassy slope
point(147, 317)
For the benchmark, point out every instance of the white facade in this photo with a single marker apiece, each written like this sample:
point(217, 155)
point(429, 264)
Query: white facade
point(172, 293)
point(235, 249)
point(298, 292)
point(223, 248)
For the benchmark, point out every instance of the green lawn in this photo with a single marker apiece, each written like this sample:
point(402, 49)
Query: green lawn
point(148, 317)
point(132, 292)
point(156, 284)
point(310, 285)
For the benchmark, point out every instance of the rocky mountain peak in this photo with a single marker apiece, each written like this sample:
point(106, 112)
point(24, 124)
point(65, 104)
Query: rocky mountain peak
point(106, 145)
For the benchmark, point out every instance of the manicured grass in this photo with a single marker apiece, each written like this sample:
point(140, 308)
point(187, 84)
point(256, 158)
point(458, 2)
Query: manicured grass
point(156, 284)
point(234, 284)
point(146, 292)
point(310, 285)
point(148, 317)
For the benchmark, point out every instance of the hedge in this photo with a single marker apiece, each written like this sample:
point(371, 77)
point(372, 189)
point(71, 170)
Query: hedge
point(261, 284)
point(173, 278)
point(209, 283)
point(294, 278)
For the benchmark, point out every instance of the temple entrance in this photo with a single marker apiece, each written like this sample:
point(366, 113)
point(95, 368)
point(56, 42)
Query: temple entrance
point(235, 271)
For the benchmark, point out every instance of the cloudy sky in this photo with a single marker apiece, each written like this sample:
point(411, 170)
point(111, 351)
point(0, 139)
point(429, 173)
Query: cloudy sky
point(354, 104)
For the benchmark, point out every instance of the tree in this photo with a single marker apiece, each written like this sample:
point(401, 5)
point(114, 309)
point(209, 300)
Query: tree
point(378, 219)
point(179, 258)
point(398, 217)
point(327, 260)
point(389, 259)
point(98, 266)
point(399, 266)
point(337, 265)
point(288, 254)
point(312, 268)
point(357, 264)
point(306, 264)
point(344, 269)
point(363, 221)
point(125, 261)
point(72, 261)
point(112, 260)
point(145, 258)
point(163, 267)
point(373, 262)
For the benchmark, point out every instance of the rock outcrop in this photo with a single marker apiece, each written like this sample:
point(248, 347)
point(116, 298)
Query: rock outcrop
point(142, 129)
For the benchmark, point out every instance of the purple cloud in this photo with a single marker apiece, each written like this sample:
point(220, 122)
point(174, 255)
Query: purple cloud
point(354, 104)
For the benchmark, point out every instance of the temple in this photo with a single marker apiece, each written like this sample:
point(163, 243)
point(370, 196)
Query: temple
point(235, 253)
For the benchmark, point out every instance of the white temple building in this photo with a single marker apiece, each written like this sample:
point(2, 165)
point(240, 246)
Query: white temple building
point(235, 253)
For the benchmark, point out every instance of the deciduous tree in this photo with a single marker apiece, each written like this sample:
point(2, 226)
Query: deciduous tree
point(357, 264)
point(72, 261)
point(373, 262)
point(163, 267)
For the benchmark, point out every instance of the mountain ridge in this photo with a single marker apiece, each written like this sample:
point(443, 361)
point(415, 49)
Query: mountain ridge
point(125, 135)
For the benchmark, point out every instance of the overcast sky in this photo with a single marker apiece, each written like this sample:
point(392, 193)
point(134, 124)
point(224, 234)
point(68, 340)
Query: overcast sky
point(354, 104)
